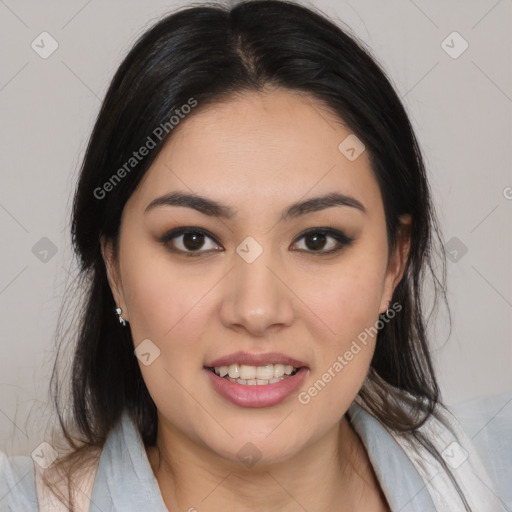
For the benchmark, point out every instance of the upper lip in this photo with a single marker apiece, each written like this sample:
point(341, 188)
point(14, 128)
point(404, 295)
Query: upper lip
point(260, 359)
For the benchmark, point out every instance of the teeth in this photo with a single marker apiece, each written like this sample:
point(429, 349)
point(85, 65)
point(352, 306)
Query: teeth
point(247, 372)
point(234, 371)
point(278, 370)
point(255, 375)
point(264, 372)
point(254, 382)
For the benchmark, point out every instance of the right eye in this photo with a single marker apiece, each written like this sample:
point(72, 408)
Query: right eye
point(187, 241)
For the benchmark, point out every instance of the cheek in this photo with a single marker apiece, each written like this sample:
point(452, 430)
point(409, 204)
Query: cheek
point(345, 300)
point(165, 307)
point(349, 306)
point(164, 304)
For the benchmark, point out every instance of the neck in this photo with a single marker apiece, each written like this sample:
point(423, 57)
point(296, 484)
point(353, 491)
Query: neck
point(333, 473)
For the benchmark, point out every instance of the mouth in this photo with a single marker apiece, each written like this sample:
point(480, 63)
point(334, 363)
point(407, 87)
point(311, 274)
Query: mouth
point(249, 379)
point(248, 375)
point(279, 382)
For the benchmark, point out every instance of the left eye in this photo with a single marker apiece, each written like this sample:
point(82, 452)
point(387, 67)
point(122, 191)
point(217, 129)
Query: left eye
point(315, 240)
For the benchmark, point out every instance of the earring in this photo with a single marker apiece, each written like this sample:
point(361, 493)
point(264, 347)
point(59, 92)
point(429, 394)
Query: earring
point(387, 309)
point(122, 321)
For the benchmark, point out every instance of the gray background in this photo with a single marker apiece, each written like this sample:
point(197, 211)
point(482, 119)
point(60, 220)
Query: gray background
point(460, 108)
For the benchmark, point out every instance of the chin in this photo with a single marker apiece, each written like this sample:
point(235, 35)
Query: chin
point(255, 448)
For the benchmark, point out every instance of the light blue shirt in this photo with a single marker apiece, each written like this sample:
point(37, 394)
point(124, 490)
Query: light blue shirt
point(125, 481)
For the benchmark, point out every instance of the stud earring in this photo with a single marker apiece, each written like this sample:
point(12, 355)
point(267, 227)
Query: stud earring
point(385, 314)
point(122, 321)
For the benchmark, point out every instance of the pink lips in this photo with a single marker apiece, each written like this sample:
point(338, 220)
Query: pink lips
point(264, 395)
point(258, 395)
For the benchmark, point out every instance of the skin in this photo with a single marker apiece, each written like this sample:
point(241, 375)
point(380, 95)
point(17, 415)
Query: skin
point(257, 153)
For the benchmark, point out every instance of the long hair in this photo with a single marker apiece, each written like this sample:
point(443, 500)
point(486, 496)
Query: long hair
point(199, 56)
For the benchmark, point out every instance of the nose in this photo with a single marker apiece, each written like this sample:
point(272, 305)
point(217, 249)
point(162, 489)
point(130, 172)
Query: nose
point(257, 297)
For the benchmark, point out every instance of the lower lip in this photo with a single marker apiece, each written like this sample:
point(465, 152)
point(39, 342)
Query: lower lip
point(259, 395)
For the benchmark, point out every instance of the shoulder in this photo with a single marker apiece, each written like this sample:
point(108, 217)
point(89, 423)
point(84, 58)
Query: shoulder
point(21, 486)
point(17, 483)
point(487, 421)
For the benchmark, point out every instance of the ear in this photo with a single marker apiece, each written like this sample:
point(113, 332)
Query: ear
point(113, 275)
point(397, 261)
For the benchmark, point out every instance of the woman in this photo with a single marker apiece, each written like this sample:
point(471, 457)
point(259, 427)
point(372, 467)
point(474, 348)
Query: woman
point(254, 224)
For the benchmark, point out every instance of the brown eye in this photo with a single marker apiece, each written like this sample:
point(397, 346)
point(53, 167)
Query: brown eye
point(317, 241)
point(193, 241)
point(188, 241)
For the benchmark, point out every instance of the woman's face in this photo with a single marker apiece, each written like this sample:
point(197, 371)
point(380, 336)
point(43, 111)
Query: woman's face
point(259, 281)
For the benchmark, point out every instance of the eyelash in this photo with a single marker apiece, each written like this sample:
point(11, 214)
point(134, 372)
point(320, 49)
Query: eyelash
point(342, 239)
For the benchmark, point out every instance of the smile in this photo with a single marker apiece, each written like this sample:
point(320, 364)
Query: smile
point(255, 375)
point(254, 391)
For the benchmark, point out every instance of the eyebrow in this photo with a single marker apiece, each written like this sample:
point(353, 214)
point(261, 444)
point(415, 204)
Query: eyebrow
point(215, 209)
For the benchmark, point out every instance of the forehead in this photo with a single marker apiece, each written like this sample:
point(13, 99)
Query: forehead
point(260, 149)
